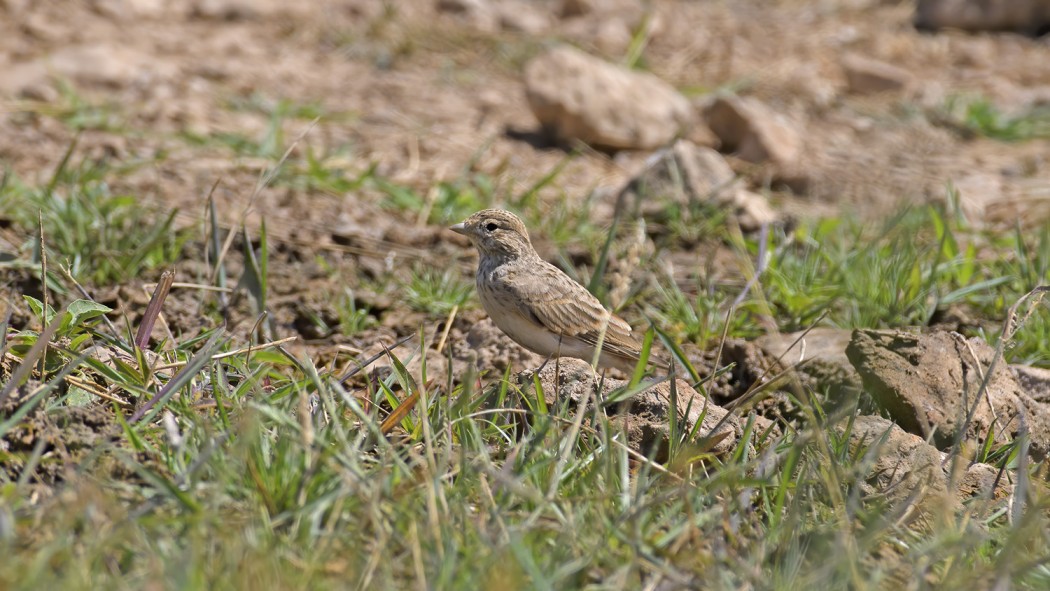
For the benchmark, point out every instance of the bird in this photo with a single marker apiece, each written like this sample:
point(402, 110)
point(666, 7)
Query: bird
point(536, 304)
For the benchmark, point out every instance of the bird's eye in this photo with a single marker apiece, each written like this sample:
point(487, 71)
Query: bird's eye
point(491, 226)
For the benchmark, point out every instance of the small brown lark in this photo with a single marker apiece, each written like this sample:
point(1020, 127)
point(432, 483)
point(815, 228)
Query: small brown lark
point(535, 303)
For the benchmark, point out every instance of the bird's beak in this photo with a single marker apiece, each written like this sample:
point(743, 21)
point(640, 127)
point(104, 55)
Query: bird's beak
point(459, 229)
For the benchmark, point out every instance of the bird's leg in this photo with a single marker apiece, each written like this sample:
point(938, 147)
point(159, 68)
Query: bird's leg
point(555, 354)
point(599, 387)
point(545, 362)
point(557, 375)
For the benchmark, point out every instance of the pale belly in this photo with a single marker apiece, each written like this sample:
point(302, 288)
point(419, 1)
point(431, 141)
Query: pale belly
point(547, 344)
point(530, 335)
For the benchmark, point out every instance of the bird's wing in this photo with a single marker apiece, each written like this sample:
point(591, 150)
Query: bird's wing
point(549, 297)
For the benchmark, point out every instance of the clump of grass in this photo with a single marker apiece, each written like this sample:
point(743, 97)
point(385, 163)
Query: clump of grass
point(979, 116)
point(101, 236)
point(272, 142)
point(77, 112)
point(854, 274)
point(446, 202)
point(324, 172)
point(698, 318)
point(353, 319)
point(436, 292)
point(897, 274)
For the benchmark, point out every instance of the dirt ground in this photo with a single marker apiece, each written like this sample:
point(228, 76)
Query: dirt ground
point(424, 95)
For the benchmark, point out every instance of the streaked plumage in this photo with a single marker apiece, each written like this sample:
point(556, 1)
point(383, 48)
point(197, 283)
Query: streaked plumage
point(535, 303)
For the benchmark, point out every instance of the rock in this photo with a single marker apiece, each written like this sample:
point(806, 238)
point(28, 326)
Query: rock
point(752, 130)
point(928, 384)
point(688, 174)
point(101, 63)
point(905, 465)
point(111, 65)
point(44, 28)
point(44, 92)
point(902, 463)
point(976, 192)
point(806, 81)
point(1034, 380)
point(647, 413)
point(1025, 16)
point(752, 210)
point(27, 80)
point(822, 355)
point(609, 35)
point(521, 17)
point(979, 480)
point(129, 9)
point(868, 76)
point(479, 13)
point(577, 96)
point(694, 173)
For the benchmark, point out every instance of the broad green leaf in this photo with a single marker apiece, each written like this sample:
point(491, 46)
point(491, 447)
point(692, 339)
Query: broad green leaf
point(81, 310)
point(38, 309)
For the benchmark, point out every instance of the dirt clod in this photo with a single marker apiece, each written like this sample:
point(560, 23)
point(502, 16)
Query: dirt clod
point(930, 384)
point(647, 414)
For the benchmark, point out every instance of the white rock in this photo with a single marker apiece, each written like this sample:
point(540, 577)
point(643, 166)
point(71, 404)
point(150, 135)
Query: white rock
point(578, 96)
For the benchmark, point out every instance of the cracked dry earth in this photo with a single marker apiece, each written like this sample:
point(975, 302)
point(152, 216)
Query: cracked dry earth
point(421, 94)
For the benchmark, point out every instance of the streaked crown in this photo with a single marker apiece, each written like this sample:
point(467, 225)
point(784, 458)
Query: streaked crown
point(496, 232)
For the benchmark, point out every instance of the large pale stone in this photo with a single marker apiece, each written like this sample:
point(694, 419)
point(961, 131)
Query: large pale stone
point(578, 96)
point(868, 76)
point(753, 131)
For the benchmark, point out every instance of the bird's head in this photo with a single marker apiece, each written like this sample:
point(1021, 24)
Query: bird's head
point(497, 233)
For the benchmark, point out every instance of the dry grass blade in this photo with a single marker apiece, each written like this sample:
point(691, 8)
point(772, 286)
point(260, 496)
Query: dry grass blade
point(399, 413)
point(156, 302)
point(43, 281)
point(448, 326)
point(708, 443)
